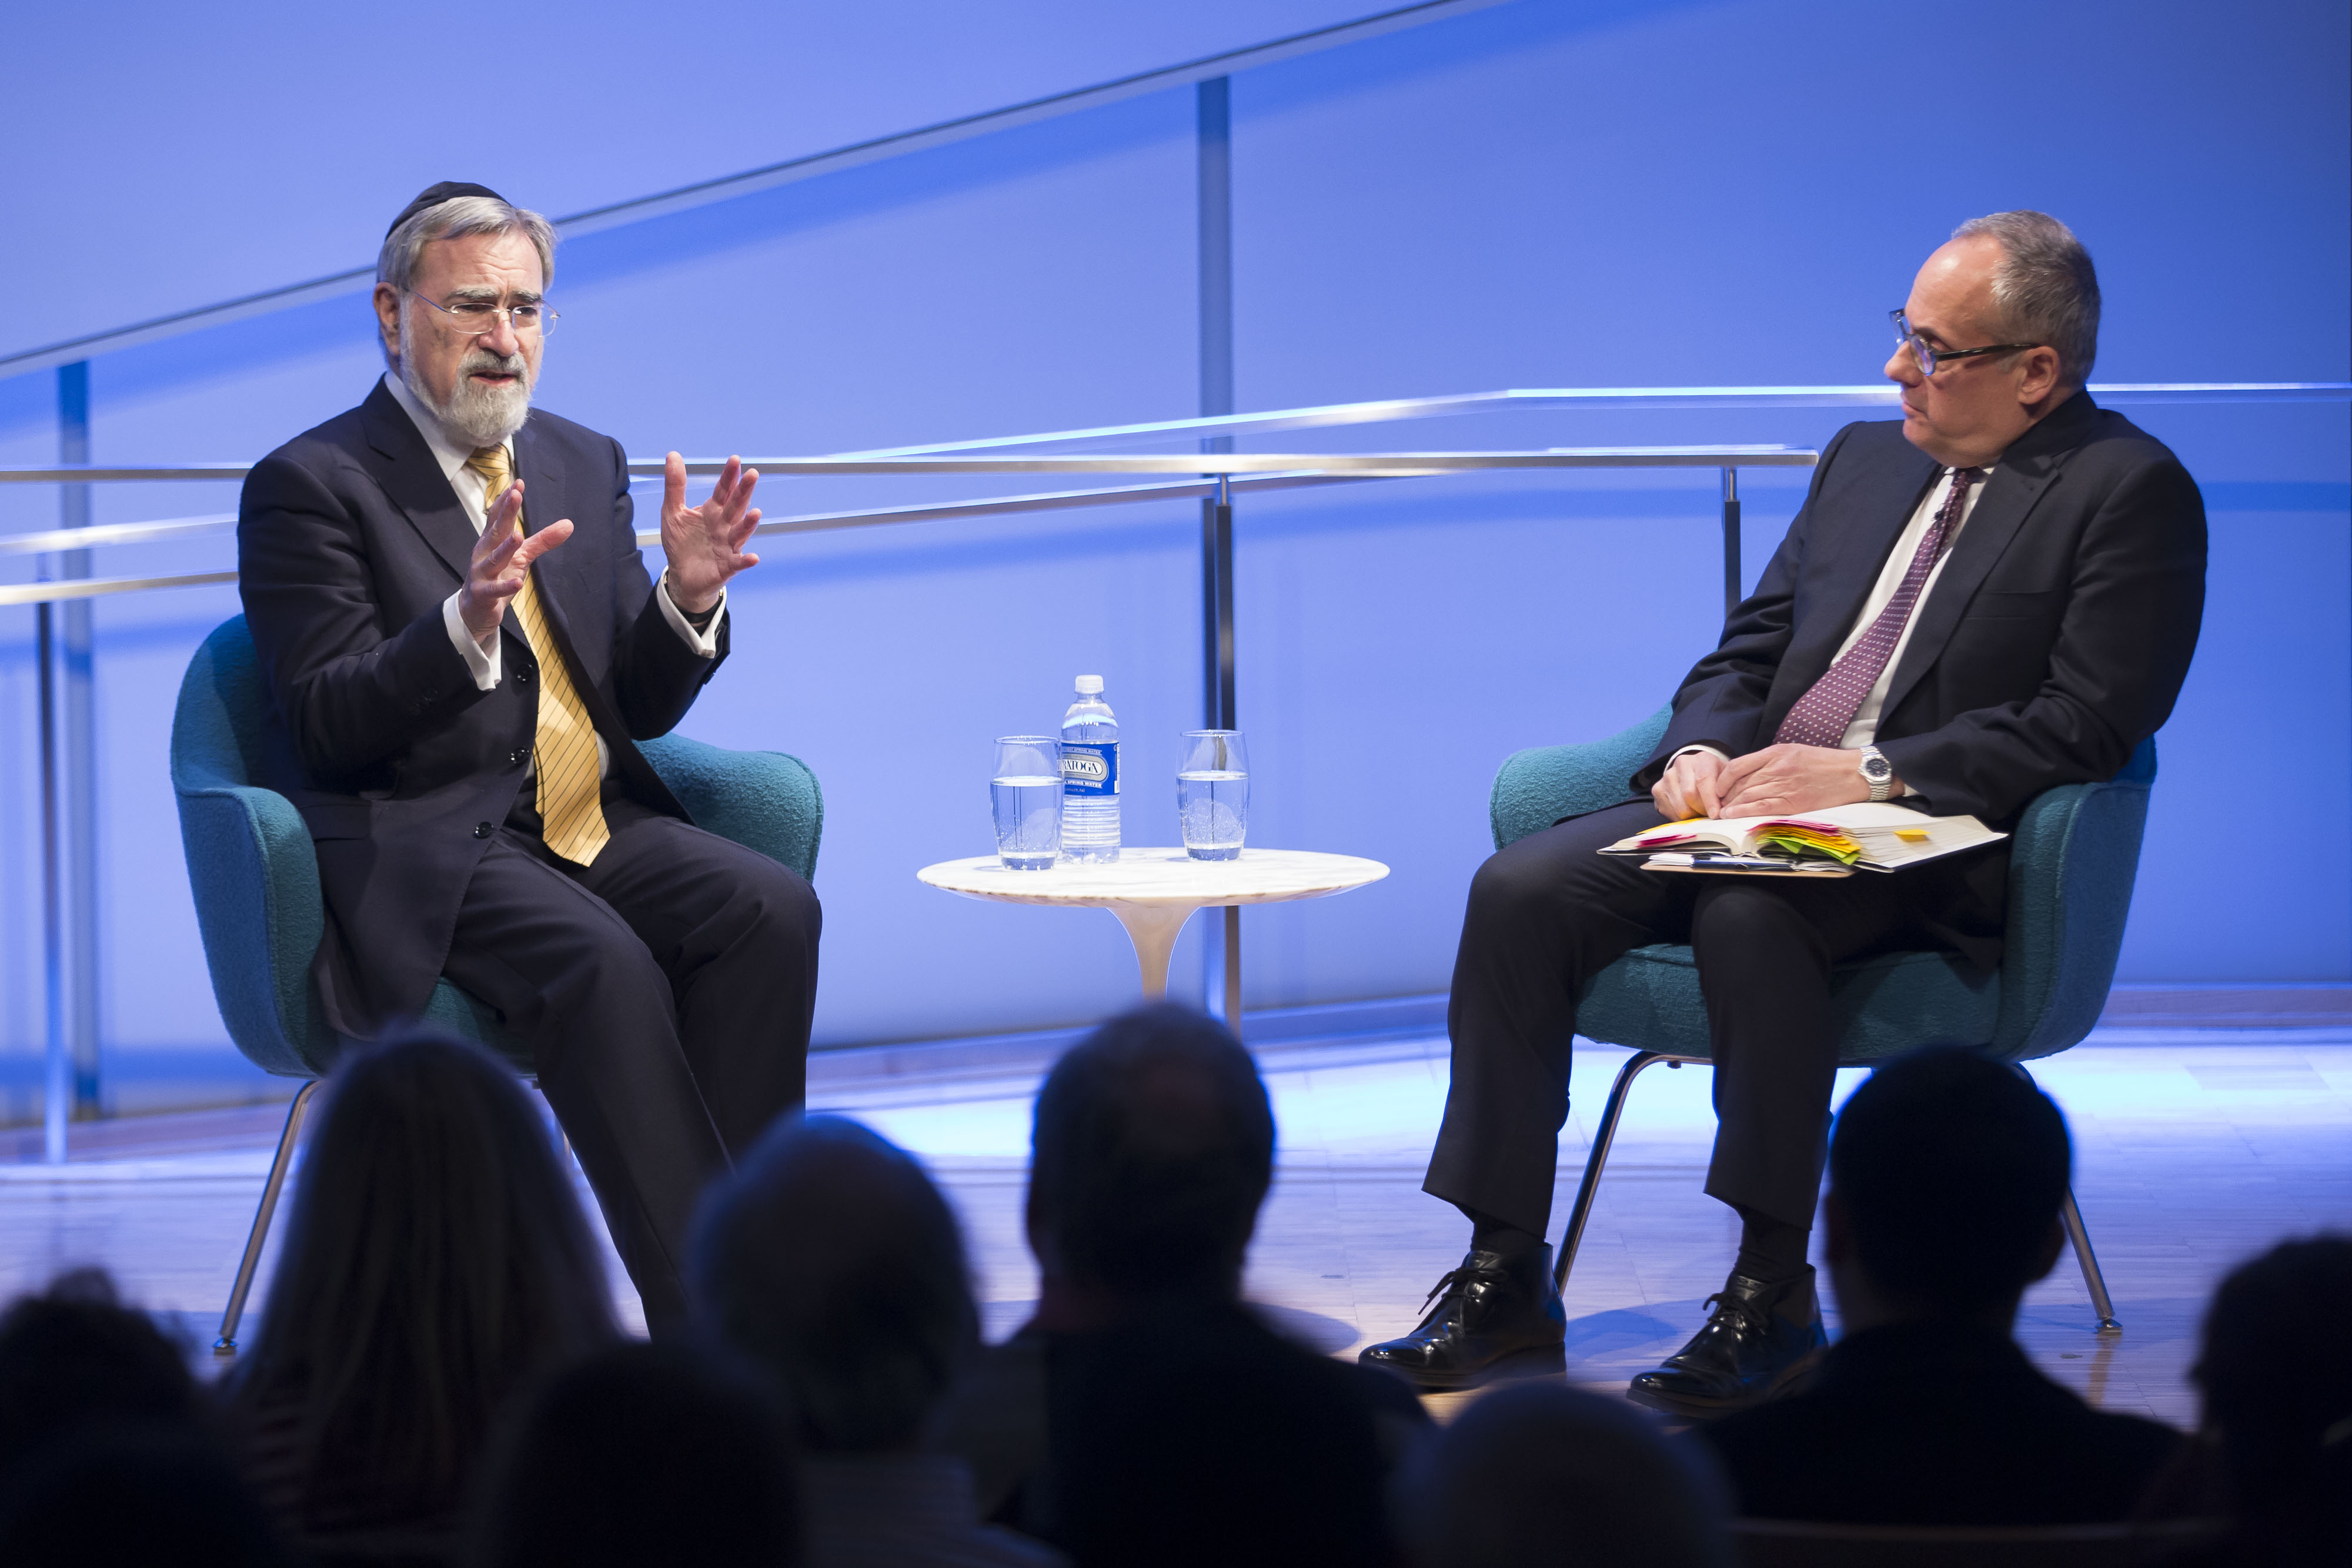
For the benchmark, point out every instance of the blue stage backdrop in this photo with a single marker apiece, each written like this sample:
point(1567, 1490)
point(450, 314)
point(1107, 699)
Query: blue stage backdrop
point(1536, 194)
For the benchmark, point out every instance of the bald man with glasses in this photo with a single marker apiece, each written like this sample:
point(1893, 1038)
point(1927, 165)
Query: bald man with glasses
point(463, 646)
point(1998, 595)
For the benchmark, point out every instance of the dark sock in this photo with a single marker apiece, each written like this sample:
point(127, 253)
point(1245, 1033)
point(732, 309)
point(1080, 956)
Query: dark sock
point(1488, 1234)
point(1769, 1250)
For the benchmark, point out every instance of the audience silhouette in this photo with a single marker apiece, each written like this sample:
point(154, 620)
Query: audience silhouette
point(110, 1452)
point(2274, 1454)
point(436, 1261)
point(1146, 1415)
point(1947, 1171)
point(669, 1453)
point(830, 1259)
point(437, 1379)
point(135, 1495)
point(74, 1357)
point(1538, 1472)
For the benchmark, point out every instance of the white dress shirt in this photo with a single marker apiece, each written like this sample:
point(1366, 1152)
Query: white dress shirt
point(1864, 730)
point(483, 658)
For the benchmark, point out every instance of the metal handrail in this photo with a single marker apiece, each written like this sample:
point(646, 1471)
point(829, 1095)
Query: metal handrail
point(1234, 473)
point(1369, 465)
point(1879, 395)
point(98, 534)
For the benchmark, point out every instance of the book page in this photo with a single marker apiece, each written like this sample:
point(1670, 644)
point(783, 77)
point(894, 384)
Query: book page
point(1890, 833)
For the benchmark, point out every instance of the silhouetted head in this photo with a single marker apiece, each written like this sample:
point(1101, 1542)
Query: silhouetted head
point(1543, 1473)
point(1947, 1171)
point(436, 1259)
point(2276, 1373)
point(829, 1257)
point(1152, 1148)
point(642, 1454)
point(74, 1356)
point(132, 1496)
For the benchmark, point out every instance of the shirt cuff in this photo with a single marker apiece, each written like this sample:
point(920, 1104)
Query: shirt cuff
point(705, 643)
point(486, 666)
point(1710, 750)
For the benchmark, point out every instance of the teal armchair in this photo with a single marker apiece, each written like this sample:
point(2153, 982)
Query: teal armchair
point(256, 879)
point(2072, 859)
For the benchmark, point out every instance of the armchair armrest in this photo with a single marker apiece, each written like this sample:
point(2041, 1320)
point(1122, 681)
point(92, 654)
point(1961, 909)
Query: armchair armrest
point(1537, 786)
point(764, 800)
point(2072, 863)
point(256, 880)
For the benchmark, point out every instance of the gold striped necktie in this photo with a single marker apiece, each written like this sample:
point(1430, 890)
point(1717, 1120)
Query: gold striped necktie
point(563, 742)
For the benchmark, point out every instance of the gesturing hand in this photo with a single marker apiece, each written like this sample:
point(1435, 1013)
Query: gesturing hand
point(501, 560)
point(1785, 778)
point(705, 543)
point(1690, 786)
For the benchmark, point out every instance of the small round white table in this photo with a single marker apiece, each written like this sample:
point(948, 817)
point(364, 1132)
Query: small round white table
point(1154, 892)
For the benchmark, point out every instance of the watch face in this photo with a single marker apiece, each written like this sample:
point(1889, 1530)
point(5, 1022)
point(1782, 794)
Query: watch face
point(1877, 769)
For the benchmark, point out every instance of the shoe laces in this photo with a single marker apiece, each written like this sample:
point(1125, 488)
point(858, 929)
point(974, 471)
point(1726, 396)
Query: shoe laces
point(1741, 1307)
point(1445, 1283)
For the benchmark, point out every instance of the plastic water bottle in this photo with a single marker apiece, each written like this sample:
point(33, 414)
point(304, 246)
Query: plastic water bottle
point(1089, 776)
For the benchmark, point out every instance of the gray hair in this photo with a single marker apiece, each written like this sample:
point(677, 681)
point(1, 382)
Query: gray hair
point(2045, 287)
point(454, 219)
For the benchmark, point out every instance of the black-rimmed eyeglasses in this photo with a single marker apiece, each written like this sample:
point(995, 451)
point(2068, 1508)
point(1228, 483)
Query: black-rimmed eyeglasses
point(475, 317)
point(1930, 356)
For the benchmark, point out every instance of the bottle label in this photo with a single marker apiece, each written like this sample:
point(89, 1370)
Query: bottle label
point(1089, 768)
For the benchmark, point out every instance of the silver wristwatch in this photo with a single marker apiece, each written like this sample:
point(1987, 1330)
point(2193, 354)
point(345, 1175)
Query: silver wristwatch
point(1877, 772)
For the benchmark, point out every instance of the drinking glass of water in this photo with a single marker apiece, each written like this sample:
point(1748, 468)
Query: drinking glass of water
point(1213, 794)
point(1027, 792)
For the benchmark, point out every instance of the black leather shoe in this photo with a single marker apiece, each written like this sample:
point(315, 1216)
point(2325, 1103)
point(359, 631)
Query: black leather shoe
point(1496, 1315)
point(1761, 1338)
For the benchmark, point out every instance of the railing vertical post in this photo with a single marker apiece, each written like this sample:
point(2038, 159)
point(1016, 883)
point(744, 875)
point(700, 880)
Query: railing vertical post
point(79, 758)
point(1731, 572)
point(1214, 101)
point(56, 1093)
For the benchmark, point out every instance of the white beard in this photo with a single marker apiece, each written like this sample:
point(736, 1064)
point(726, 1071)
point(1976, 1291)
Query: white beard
point(475, 413)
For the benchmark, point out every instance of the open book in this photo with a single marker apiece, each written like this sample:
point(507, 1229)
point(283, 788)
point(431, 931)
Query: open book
point(1869, 835)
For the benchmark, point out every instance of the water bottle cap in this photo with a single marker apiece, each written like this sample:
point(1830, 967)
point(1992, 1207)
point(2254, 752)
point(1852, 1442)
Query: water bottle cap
point(1088, 686)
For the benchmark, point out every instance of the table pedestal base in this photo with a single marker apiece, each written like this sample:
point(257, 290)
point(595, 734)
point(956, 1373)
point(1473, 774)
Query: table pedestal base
point(1153, 928)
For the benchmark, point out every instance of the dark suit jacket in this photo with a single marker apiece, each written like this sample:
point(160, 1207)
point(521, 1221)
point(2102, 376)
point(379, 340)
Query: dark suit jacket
point(2052, 644)
point(1197, 1400)
point(1936, 1424)
point(348, 539)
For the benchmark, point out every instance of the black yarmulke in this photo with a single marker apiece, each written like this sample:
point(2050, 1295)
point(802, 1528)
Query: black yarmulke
point(434, 195)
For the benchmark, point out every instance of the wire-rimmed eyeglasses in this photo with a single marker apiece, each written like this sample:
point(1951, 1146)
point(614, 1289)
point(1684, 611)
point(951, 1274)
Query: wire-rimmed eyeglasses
point(475, 317)
point(1930, 356)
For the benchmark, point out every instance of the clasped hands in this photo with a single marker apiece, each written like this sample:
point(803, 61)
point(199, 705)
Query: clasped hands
point(1775, 781)
point(704, 544)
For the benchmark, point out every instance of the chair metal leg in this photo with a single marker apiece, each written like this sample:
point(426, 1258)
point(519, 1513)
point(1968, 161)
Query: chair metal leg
point(2095, 1282)
point(2080, 1237)
point(227, 1343)
point(1602, 1136)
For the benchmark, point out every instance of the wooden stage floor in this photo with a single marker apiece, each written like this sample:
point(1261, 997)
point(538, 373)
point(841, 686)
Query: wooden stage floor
point(2194, 1150)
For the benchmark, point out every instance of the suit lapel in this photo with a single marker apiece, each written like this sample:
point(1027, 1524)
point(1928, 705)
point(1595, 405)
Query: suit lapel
point(1880, 504)
point(558, 573)
point(540, 469)
point(2018, 480)
point(399, 460)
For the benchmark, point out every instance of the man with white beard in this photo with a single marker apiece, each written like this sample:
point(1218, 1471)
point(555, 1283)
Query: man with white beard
point(463, 644)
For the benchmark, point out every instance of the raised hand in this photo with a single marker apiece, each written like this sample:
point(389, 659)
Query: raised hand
point(705, 543)
point(501, 560)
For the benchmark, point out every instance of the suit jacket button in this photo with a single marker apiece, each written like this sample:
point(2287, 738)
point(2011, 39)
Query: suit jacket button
point(517, 757)
point(481, 830)
point(522, 676)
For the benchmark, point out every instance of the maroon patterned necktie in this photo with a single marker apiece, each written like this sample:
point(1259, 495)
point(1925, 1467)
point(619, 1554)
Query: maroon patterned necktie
point(1823, 714)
